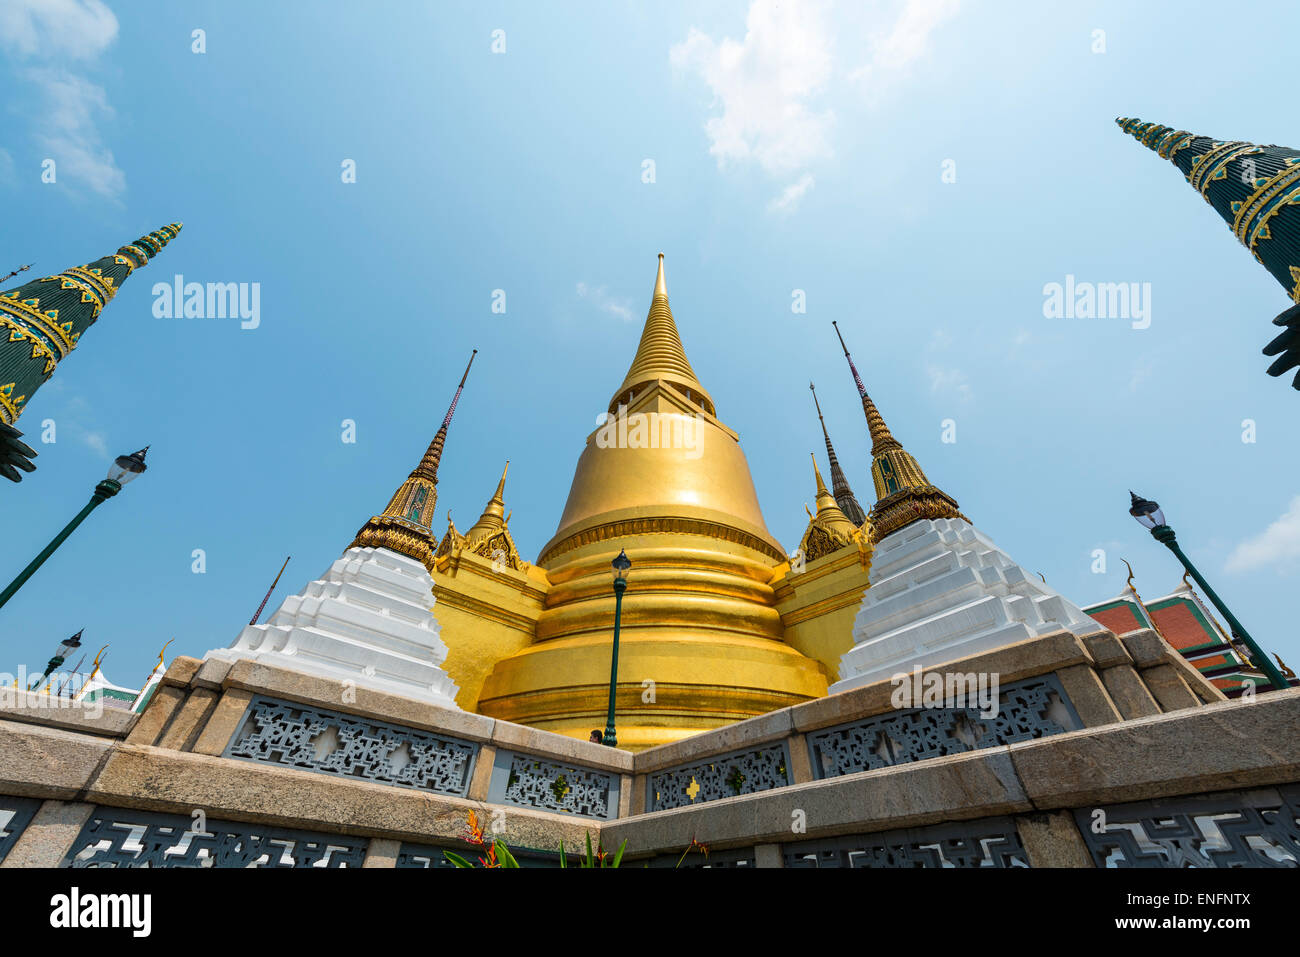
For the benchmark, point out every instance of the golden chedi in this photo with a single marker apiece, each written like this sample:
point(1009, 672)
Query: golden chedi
point(701, 643)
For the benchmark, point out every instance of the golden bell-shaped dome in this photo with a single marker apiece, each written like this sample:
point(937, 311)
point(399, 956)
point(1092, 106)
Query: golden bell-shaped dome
point(701, 640)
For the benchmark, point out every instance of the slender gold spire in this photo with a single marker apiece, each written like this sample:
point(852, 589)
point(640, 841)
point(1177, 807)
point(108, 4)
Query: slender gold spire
point(844, 496)
point(903, 494)
point(403, 526)
point(489, 537)
point(830, 529)
point(660, 354)
point(493, 517)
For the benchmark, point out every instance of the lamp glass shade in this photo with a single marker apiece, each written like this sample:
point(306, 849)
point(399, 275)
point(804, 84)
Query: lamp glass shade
point(69, 645)
point(126, 468)
point(1148, 514)
point(621, 564)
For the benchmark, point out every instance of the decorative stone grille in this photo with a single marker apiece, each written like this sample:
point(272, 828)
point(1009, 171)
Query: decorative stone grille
point(992, 842)
point(728, 775)
point(15, 814)
point(428, 856)
point(744, 857)
point(1028, 709)
point(116, 837)
point(529, 781)
point(327, 742)
point(1257, 828)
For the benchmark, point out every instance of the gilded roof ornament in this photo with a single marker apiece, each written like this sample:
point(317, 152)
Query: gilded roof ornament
point(660, 354)
point(903, 494)
point(844, 496)
point(489, 537)
point(404, 525)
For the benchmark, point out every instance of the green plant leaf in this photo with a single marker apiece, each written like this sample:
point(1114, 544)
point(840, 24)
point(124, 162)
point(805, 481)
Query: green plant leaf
point(457, 859)
point(591, 858)
point(618, 858)
point(504, 856)
point(563, 862)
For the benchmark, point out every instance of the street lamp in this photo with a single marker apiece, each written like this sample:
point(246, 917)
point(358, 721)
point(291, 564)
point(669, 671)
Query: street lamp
point(68, 646)
point(125, 468)
point(620, 565)
point(1150, 516)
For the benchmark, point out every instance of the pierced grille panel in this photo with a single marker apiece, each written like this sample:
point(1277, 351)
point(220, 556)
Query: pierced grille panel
point(116, 837)
point(1035, 708)
point(530, 781)
point(328, 742)
point(993, 842)
point(728, 775)
point(429, 856)
point(730, 860)
point(15, 814)
point(1258, 828)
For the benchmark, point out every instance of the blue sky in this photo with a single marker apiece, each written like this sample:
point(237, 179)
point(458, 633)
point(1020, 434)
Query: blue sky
point(798, 147)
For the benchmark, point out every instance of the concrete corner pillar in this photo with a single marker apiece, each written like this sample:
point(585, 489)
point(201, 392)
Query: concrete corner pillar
point(768, 855)
point(49, 837)
point(382, 853)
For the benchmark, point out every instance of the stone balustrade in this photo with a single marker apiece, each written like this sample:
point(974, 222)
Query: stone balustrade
point(242, 763)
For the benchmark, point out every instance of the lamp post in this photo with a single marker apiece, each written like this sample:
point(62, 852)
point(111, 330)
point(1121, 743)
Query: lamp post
point(61, 655)
point(123, 470)
point(1150, 516)
point(620, 565)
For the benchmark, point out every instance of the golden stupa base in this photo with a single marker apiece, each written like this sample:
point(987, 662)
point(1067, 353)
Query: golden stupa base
point(563, 685)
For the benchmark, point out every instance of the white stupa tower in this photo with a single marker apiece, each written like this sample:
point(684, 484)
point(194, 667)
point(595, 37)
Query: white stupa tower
point(940, 588)
point(369, 617)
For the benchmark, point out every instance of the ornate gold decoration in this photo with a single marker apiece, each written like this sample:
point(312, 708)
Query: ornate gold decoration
point(660, 354)
point(699, 614)
point(404, 525)
point(903, 494)
point(489, 537)
point(830, 529)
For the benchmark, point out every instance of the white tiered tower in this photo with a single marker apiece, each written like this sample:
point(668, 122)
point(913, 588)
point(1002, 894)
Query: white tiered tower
point(369, 618)
point(940, 589)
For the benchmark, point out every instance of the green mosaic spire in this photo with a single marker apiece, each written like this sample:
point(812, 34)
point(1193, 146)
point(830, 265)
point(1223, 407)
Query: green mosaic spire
point(43, 320)
point(1256, 191)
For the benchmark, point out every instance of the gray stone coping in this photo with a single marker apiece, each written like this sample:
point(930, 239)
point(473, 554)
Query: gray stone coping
point(56, 712)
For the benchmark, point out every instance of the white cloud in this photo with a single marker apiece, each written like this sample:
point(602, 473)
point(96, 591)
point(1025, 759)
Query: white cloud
point(948, 379)
point(790, 197)
point(763, 85)
point(907, 41)
point(68, 131)
point(1142, 371)
point(96, 440)
point(622, 308)
point(80, 29)
point(1278, 545)
point(70, 107)
point(945, 378)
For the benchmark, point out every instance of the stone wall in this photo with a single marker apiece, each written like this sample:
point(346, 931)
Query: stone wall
point(1093, 740)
